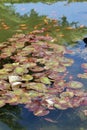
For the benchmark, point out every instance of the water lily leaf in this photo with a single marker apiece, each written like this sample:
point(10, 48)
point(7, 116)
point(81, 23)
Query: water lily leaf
point(66, 94)
point(15, 85)
point(3, 71)
point(20, 70)
point(29, 65)
point(54, 75)
point(18, 92)
point(75, 84)
point(60, 69)
point(41, 112)
point(23, 99)
point(58, 106)
point(2, 103)
point(8, 67)
point(84, 65)
point(13, 39)
point(4, 85)
point(85, 112)
point(34, 94)
point(67, 61)
point(60, 83)
point(13, 100)
point(51, 64)
point(37, 69)
point(45, 80)
point(19, 45)
point(14, 78)
point(27, 77)
point(84, 75)
point(40, 87)
point(28, 49)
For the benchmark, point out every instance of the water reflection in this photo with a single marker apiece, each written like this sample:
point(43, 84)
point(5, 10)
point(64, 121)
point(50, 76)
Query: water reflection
point(62, 30)
point(74, 12)
point(9, 117)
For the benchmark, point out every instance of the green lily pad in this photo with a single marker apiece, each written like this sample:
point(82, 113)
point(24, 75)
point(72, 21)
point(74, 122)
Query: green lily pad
point(3, 71)
point(18, 92)
point(66, 94)
point(19, 45)
point(67, 61)
point(45, 80)
point(75, 84)
point(20, 70)
point(34, 94)
point(40, 87)
point(60, 69)
point(27, 77)
point(58, 106)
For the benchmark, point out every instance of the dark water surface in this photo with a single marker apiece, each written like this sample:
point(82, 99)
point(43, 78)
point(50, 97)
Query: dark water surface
point(17, 117)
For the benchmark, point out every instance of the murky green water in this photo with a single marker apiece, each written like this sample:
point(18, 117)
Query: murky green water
point(56, 17)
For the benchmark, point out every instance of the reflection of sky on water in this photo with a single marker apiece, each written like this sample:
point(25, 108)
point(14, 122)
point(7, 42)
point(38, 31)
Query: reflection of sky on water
point(74, 11)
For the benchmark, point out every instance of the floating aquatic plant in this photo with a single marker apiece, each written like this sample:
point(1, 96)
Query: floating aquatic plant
point(33, 73)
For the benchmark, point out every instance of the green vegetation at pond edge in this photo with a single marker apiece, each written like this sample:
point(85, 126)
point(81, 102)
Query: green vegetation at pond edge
point(62, 31)
point(44, 1)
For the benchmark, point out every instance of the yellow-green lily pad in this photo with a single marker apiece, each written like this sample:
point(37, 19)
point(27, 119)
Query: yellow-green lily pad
point(27, 77)
point(45, 80)
point(75, 84)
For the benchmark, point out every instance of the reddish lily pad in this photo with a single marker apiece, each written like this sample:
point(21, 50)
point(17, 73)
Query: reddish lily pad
point(84, 65)
point(37, 69)
point(41, 112)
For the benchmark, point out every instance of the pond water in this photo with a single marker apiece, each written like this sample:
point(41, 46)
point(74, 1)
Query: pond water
point(36, 16)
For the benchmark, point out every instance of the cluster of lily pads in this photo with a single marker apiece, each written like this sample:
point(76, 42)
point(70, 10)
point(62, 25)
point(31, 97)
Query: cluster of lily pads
point(33, 72)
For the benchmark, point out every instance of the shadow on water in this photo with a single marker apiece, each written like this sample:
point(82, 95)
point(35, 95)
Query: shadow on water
point(18, 118)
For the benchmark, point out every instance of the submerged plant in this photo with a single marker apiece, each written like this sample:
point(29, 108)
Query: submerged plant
point(33, 72)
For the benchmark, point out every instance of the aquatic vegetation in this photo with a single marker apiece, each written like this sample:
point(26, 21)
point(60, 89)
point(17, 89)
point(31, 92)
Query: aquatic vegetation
point(33, 73)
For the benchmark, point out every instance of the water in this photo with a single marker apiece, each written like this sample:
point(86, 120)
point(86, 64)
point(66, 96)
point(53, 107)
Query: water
point(32, 14)
point(76, 12)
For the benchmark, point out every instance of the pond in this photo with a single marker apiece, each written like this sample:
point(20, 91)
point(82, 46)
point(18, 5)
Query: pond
point(66, 22)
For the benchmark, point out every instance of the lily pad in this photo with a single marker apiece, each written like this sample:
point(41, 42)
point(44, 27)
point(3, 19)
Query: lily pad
point(3, 71)
point(14, 78)
point(84, 65)
point(27, 77)
point(45, 80)
point(75, 84)
point(2, 103)
point(84, 75)
point(66, 94)
point(40, 87)
point(41, 112)
point(37, 69)
point(20, 70)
